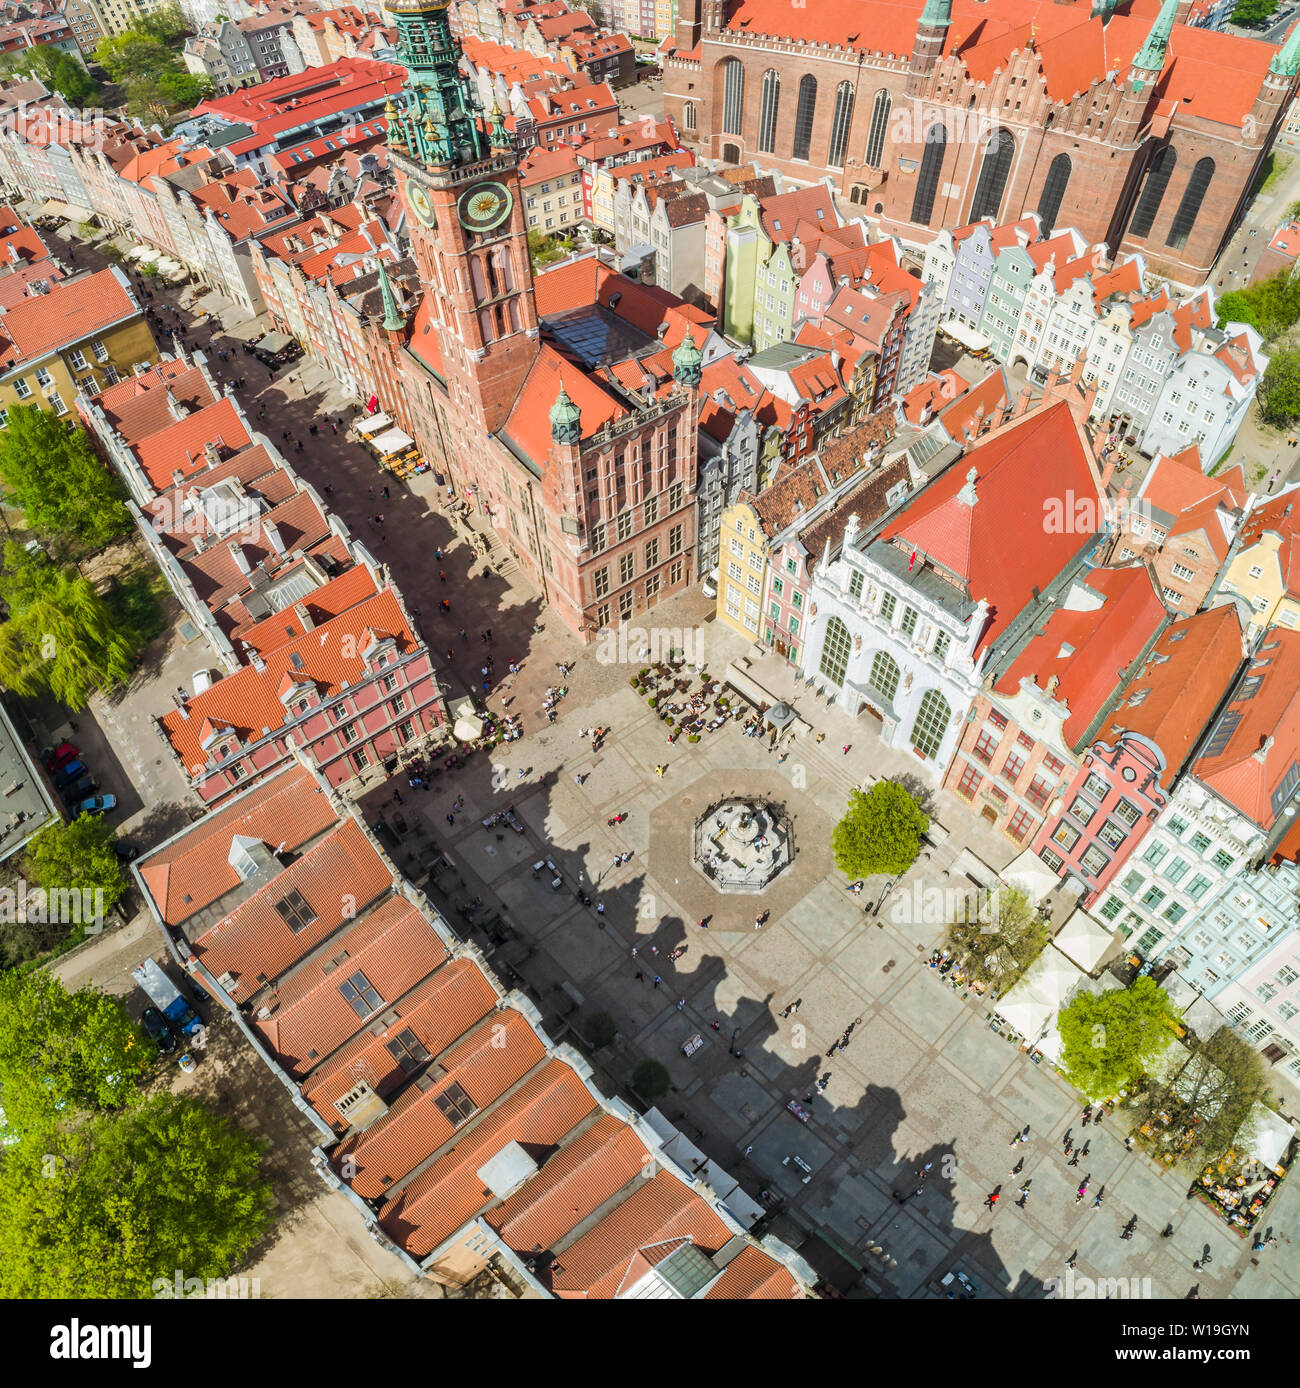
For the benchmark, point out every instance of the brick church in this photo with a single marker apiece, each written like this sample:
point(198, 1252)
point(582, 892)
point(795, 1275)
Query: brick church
point(1118, 119)
point(563, 407)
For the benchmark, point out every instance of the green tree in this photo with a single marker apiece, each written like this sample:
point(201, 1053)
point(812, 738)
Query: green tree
point(1252, 12)
point(166, 24)
point(999, 936)
point(62, 1051)
point(64, 489)
point(1279, 389)
point(1196, 1113)
point(881, 832)
point(1109, 1039)
point(108, 1209)
point(1238, 306)
point(59, 71)
point(61, 638)
point(132, 55)
point(78, 857)
point(651, 1080)
point(600, 1029)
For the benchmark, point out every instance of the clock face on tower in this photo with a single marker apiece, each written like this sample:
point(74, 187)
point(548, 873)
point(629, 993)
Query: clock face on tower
point(484, 207)
point(421, 205)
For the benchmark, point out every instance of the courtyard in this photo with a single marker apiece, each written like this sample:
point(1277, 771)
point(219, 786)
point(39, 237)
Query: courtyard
point(923, 1078)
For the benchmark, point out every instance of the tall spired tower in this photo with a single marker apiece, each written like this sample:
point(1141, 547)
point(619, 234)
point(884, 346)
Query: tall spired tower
point(457, 173)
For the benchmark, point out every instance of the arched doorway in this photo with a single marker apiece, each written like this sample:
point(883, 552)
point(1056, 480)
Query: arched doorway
point(731, 154)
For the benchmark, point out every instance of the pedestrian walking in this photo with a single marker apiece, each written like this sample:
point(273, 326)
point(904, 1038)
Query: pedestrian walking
point(990, 1200)
point(681, 1002)
point(657, 980)
point(634, 951)
point(749, 1149)
point(847, 745)
point(659, 771)
point(1072, 1259)
point(1018, 1167)
point(758, 922)
point(600, 908)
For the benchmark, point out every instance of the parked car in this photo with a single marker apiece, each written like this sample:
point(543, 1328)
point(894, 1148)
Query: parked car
point(55, 758)
point(159, 1030)
point(126, 851)
point(69, 772)
point(80, 789)
point(710, 585)
point(97, 804)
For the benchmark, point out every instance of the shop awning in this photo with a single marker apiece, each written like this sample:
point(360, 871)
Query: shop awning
point(468, 727)
point(272, 342)
point(966, 337)
point(148, 254)
point(392, 442)
point(371, 423)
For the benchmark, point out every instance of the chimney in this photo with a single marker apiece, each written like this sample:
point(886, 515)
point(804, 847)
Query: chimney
point(255, 659)
point(300, 611)
point(967, 495)
point(241, 560)
point(1265, 747)
point(273, 535)
point(1022, 404)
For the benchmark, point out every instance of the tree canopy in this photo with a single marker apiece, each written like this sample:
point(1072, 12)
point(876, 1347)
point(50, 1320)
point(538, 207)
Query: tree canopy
point(1252, 12)
point(65, 491)
point(1279, 388)
point(146, 62)
point(107, 1209)
point(61, 638)
point(1109, 1039)
point(999, 936)
point(78, 856)
point(1270, 307)
point(59, 71)
point(1197, 1114)
point(63, 1051)
point(881, 831)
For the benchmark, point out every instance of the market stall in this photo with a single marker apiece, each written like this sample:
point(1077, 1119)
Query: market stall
point(368, 424)
point(1240, 1187)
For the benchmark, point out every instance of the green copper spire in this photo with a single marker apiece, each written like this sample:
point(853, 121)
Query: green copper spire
point(498, 135)
point(393, 320)
point(688, 362)
point(1286, 61)
point(566, 419)
point(437, 94)
point(1151, 56)
point(936, 15)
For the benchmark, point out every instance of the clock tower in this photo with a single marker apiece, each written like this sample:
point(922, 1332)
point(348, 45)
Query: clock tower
point(457, 174)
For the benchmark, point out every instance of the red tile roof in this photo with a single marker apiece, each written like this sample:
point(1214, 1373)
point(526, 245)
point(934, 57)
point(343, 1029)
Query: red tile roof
point(485, 1064)
point(254, 939)
point(1087, 651)
point(529, 425)
point(180, 446)
point(186, 876)
point(450, 1192)
point(1262, 728)
point(394, 946)
point(72, 311)
point(138, 406)
point(572, 1184)
point(442, 1008)
point(248, 702)
point(1174, 694)
point(655, 1219)
point(1000, 549)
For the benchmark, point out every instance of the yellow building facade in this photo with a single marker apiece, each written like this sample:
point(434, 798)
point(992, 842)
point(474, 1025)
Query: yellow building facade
point(742, 569)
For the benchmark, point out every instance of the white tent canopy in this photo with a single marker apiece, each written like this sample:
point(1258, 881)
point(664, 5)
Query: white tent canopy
point(1031, 875)
point(1266, 1135)
point(392, 441)
point(1032, 1005)
point(1084, 941)
point(966, 337)
point(371, 423)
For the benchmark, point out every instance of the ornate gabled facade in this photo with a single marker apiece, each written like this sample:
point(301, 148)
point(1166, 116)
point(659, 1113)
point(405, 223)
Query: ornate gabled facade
point(1119, 119)
point(598, 513)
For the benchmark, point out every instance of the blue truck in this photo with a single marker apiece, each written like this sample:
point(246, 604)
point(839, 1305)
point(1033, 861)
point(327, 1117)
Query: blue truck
point(166, 997)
